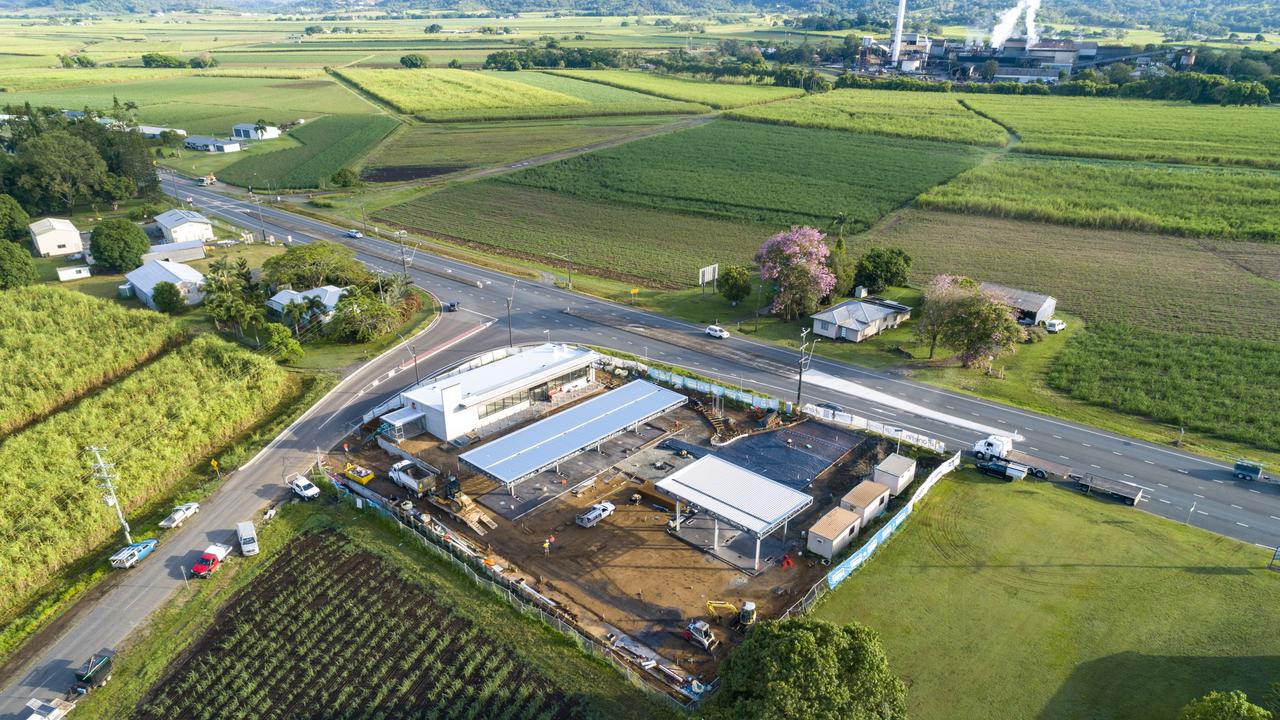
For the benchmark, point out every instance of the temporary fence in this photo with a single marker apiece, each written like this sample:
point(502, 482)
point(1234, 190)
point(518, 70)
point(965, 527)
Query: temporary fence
point(678, 381)
point(842, 571)
point(856, 422)
point(437, 539)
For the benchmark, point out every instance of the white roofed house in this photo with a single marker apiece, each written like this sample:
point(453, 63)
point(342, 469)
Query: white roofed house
point(181, 226)
point(317, 304)
point(211, 144)
point(857, 320)
point(1031, 308)
point(153, 272)
point(54, 237)
point(252, 131)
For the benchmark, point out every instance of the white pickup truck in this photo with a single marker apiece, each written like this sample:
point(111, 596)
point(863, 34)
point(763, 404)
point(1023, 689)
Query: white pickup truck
point(303, 487)
point(180, 515)
point(594, 514)
point(412, 477)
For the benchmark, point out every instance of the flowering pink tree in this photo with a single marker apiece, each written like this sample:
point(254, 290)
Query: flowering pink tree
point(797, 261)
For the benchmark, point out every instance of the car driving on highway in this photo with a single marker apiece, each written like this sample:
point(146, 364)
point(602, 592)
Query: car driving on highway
point(354, 234)
point(716, 331)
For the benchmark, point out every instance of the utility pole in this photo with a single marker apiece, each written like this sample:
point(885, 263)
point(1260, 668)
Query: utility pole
point(804, 361)
point(102, 471)
point(404, 258)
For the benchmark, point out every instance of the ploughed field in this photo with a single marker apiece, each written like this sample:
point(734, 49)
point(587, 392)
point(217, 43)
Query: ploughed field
point(330, 629)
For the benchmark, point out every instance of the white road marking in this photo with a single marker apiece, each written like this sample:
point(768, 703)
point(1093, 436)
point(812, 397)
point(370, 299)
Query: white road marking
point(1259, 492)
point(1059, 437)
point(1116, 452)
point(1241, 524)
point(1127, 475)
point(1162, 485)
point(1202, 512)
point(1184, 472)
point(1164, 501)
point(1095, 467)
point(1219, 481)
point(1236, 506)
point(1064, 457)
point(1198, 495)
point(1086, 444)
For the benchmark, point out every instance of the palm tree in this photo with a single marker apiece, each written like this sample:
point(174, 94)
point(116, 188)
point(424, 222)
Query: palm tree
point(840, 223)
point(293, 313)
point(260, 128)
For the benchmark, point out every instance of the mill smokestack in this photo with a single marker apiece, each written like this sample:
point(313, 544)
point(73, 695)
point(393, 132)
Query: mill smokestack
point(897, 33)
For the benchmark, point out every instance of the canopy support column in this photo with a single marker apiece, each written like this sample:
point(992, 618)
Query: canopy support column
point(757, 552)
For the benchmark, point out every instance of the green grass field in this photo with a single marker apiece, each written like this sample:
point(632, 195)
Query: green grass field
point(1180, 200)
point(1138, 129)
point(61, 79)
point(927, 116)
point(759, 173)
point(716, 95)
point(443, 94)
point(640, 245)
point(1031, 601)
point(1219, 387)
point(210, 104)
point(439, 148)
point(327, 145)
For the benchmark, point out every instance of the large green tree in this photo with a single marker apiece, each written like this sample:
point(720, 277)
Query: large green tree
point(735, 283)
point(303, 267)
point(362, 316)
point(118, 244)
point(279, 343)
point(1232, 705)
point(880, 267)
point(811, 669)
point(16, 266)
point(13, 219)
point(980, 328)
point(56, 169)
point(941, 300)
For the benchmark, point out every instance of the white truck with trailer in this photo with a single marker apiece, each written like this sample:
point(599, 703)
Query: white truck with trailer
point(412, 476)
point(999, 447)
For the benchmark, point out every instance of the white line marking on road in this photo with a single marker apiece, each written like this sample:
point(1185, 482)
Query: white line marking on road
point(1241, 524)
point(975, 414)
point(1086, 444)
point(1236, 506)
point(1035, 449)
point(1095, 467)
point(1259, 492)
point(1184, 472)
point(949, 407)
point(1116, 452)
point(1148, 462)
point(1219, 481)
point(1064, 457)
point(1059, 437)
point(1127, 475)
point(1162, 485)
point(1273, 517)
point(1202, 512)
point(1198, 495)
point(1164, 501)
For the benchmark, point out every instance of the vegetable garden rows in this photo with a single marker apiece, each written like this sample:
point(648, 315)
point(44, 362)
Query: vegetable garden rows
point(333, 630)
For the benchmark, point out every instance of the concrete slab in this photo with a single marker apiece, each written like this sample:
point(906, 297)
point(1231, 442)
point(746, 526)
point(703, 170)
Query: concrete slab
point(737, 548)
point(815, 447)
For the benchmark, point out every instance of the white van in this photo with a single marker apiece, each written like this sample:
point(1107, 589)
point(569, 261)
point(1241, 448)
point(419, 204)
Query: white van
point(248, 537)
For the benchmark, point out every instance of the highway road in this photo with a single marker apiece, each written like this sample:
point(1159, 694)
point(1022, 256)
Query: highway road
point(1183, 487)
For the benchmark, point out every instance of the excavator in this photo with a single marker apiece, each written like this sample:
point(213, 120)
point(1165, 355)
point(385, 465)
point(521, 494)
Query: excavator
point(448, 496)
point(740, 619)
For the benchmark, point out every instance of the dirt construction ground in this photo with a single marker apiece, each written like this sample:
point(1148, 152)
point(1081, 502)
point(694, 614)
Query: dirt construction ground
point(629, 575)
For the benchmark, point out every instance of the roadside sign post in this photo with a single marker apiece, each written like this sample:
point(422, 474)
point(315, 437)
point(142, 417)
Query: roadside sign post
point(214, 465)
point(709, 274)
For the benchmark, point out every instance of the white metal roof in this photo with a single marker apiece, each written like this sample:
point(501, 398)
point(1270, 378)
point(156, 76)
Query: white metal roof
point(735, 494)
point(897, 465)
point(45, 225)
point(173, 218)
point(510, 374)
point(531, 449)
point(328, 294)
point(153, 272)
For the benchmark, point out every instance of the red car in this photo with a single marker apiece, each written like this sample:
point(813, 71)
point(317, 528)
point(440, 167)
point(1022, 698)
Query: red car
point(210, 559)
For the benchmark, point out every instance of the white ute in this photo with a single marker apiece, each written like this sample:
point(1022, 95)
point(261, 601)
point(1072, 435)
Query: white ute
point(303, 487)
point(595, 514)
point(180, 515)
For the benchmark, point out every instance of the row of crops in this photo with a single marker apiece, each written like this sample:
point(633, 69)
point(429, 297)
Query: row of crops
point(328, 145)
point(330, 629)
point(156, 423)
point(716, 95)
point(51, 363)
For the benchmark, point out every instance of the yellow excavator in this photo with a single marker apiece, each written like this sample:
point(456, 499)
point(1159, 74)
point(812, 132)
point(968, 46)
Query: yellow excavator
point(740, 619)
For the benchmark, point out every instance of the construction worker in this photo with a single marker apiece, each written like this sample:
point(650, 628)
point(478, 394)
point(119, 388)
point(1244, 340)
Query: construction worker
point(551, 540)
point(787, 561)
point(546, 547)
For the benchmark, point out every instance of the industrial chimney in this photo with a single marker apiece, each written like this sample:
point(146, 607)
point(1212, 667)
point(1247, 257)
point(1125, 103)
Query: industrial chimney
point(897, 33)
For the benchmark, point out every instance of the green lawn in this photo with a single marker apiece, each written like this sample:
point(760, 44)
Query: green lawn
point(923, 115)
point(210, 105)
point(1031, 601)
point(438, 149)
point(759, 173)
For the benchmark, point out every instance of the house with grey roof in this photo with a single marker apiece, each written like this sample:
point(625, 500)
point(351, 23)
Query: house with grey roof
point(328, 295)
point(180, 226)
point(143, 281)
point(857, 320)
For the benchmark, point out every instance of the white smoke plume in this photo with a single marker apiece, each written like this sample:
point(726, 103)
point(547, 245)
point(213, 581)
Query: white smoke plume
point(1003, 29)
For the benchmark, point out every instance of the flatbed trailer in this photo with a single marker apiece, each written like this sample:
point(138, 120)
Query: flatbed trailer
point(1127, 492)
point(1038, 467)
